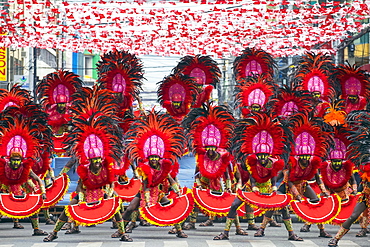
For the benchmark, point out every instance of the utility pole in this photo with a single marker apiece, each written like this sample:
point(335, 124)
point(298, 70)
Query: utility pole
point(34, 72)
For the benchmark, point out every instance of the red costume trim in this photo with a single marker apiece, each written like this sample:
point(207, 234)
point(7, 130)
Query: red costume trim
point(336, 179)
point(92, 181)
point(95, 213)
point(346, 209)
point(203, 161)
point(155, 177)
point(56, 192)
point(273, 201)
point(175, 212)
point(322, 212)
point(128, 191)
point(24, 176)
point(297, 173)
point(213, 204)
point(267, 173)
point(20, 208)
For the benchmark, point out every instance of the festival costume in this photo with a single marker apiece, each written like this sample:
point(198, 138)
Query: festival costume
point(95, 143)
point(337, 181)
point(310, 145)
point(206, 73)
point(355, 85)
point(176, 94)
point(261, 143)
point(97, 99)
point(41, 167)
point(359, 153)
point(122, 73)
point(155, 142)
point(54, 93)
point(210, 131)
point(20, 140)
point(314, 74)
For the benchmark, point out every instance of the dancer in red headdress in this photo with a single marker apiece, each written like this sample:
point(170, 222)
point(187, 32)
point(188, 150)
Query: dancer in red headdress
point(206, 73)
point(355, 85)
point(309, 145)
point(94, 140)
point(155, 142)
point(360, 154)
point(54, 92)
point(176, 94)
point(261, 143)
point(210, 131)
point(20, 143)
point(314, 74)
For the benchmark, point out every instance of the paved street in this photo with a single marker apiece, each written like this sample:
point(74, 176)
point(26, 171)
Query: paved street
point(158, 237)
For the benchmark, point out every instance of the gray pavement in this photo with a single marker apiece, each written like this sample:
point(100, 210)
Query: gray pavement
point(152, 236)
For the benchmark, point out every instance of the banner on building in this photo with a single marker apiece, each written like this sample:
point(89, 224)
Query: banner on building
point(3, 64)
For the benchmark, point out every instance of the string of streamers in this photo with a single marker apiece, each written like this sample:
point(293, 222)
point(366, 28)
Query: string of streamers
point(216, 28)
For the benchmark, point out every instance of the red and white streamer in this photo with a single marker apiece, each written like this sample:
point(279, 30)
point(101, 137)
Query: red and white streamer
point(186, 27)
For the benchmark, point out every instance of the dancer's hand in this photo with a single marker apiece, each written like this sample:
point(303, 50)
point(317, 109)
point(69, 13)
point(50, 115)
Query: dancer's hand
point(298, 198)
point(325, 194)
point(255, 189)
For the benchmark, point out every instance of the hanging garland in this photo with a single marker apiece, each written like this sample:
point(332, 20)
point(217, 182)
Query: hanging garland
point(186, 27)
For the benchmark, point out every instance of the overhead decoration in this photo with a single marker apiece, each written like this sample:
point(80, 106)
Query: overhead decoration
point(187, 27)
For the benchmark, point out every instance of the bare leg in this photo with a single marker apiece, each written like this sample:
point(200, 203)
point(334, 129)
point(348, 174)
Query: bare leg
point(360, 207)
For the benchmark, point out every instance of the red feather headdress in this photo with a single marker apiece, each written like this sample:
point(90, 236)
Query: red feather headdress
point(309, 137)
point(253, 91)
point(177, 88)
point(57, 87)
point(16, 96)
point(210, 125)
point(291, 101)
point(122, 73)
point(253, 62)
point(338, 151)
point(18, 136)
point(95, 137)
point(203, 68)
point(155, 134)
point(315, 74)
point(88, 101)
point(353, 81)
point(342, 142)
point(259, 134)
point(18, 133)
